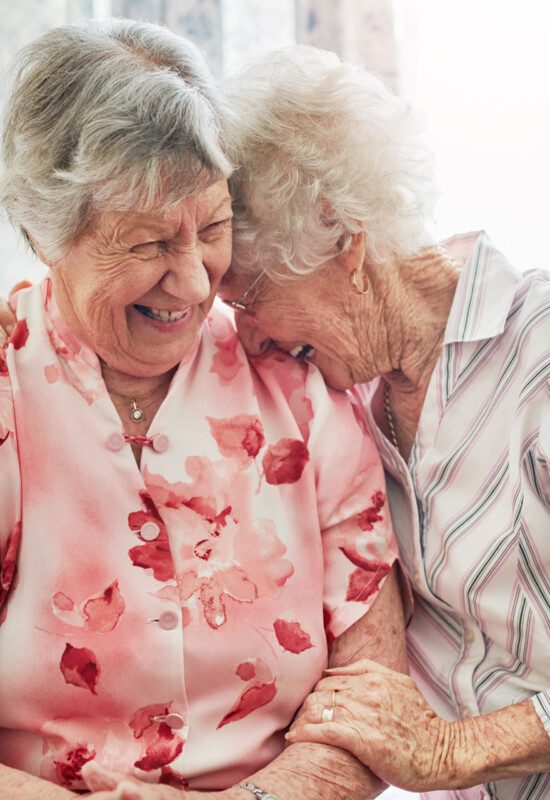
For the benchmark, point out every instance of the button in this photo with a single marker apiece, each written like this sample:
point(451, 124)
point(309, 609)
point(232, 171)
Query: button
point(169, 620)
point(174, 720)
point(160, 443)
point(149, 531)
point(115, 441)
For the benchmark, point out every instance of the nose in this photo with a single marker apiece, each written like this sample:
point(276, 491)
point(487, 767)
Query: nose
point(254, 340)
point(187, 278)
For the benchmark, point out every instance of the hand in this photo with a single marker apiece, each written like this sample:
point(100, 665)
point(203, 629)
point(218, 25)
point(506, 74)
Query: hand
point(381, 718)
point(7, 317)
point(108, 785)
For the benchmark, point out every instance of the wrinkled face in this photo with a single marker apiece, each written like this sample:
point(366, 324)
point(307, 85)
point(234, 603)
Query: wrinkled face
point(137, 287)
point(309, 317)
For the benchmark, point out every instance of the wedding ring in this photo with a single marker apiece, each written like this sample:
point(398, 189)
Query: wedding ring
point(327, 714)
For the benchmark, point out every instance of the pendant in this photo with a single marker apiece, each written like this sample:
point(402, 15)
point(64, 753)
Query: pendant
point(136, 413)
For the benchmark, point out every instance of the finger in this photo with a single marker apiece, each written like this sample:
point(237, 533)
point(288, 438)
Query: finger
point(21, 285)
point(341, 683)
point(359, 667)
point(313, 715)
point(7, 318)
point(100, 778)
point(332, 733)
point(128, 791)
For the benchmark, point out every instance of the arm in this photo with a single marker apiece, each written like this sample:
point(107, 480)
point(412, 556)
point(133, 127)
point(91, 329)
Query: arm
point(16, 785)
point(383, 719)
point(313, 771)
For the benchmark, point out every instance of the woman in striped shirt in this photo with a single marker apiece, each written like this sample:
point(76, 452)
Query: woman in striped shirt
point(450, 348)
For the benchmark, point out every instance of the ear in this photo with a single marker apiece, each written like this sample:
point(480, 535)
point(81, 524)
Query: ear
point(353, 258)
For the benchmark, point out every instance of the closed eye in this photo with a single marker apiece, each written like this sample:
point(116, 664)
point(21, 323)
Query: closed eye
point(215, 230)
point(149, 249)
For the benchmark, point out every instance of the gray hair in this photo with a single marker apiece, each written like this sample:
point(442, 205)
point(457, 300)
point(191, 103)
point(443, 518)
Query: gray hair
point(113, 115)
point(324, 150)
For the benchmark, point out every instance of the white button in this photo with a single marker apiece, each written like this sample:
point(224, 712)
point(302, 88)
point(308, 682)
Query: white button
point(174, 720)
point(149, 531)
point(115, 441)
point(160, 443)
point(169, 620)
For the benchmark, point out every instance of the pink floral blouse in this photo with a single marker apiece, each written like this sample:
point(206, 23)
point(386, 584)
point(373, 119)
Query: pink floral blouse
point(169, 619)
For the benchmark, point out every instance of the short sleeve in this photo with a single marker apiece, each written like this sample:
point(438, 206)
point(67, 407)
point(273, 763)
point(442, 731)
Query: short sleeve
point(10, 490)
point(359, 546)
point(541, 701)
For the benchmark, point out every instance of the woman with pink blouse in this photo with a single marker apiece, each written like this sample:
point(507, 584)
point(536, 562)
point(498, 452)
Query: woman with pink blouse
point(186, 536)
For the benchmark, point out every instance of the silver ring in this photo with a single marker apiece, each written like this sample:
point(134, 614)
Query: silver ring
point(327, 714)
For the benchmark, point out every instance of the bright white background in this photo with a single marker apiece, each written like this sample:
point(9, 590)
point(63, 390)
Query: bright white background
point(480, 70)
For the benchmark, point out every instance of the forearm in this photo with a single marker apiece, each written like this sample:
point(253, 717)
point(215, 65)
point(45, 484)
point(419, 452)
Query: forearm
point(17, 785)
point(380, 634)
point(511, 742)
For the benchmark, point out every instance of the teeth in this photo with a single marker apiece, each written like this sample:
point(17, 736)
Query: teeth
point(302, 351)
point(163, 316)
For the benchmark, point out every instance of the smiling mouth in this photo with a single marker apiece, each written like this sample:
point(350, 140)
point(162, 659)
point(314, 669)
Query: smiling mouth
point(159, 315)
point(302, 352)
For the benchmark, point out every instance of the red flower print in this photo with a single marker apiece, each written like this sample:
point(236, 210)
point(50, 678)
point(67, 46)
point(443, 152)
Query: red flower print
point(154, 555)
point(240, 437)
point(100, 613)
point(3, 365)
point(51, 373)
point(252, 698)
point(327, 622)
point(226, 362)
point(79, 667)
point(224, 561)
point(370, 515)
point(160, 744)
point(363, 583)
point(291, 637)
point(20, 335)
point(246, 671)
point(284, 462)
point(68, 771)
point(103, 613)
point(2, 440)
point(9, 565)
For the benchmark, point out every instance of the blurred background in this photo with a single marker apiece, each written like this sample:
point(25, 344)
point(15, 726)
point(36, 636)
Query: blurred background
point(478, 68)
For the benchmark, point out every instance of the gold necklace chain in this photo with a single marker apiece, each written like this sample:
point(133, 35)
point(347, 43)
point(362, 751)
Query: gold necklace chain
point(389, 416)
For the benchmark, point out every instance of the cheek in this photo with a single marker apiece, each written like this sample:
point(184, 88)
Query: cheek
point(217, 259)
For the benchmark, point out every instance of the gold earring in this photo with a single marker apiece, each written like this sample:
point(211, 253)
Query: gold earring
point(358, 282)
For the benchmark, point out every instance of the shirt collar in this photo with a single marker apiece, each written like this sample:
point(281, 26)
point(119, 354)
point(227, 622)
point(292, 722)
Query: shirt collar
point(485, 290)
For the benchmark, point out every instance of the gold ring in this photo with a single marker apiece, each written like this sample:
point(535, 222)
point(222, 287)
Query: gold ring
point(327, 714)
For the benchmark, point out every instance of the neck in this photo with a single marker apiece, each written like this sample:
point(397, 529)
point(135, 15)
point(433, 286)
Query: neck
point(417, 309)
point(125, 388)
point(417, 298)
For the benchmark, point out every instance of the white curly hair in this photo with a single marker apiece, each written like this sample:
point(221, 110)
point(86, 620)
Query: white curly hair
point(324, 150)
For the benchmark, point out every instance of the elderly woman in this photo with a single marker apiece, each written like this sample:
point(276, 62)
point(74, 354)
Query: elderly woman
point(450, 347)
point(174, 520)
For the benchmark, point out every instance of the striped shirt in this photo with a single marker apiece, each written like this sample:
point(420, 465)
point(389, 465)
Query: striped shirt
point(471, 510)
